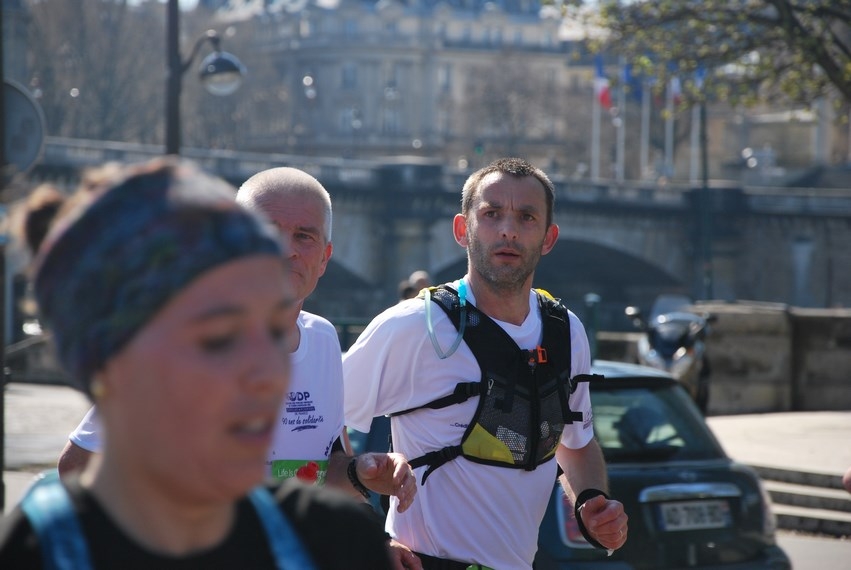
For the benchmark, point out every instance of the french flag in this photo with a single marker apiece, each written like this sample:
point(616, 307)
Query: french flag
point(676, 91)
point(601, 84)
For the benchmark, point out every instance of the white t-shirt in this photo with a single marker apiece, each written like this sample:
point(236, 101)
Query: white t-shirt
point(466, 511)
point(312, 413)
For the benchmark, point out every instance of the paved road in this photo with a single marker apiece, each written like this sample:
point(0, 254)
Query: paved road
point(38, 421)
point(39, 418)
point(819, 442)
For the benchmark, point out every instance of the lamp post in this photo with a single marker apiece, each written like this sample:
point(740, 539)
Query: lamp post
point(221, 73)
point(706, 206)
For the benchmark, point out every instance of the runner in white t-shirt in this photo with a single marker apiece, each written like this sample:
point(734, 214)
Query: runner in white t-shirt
point(469, 513)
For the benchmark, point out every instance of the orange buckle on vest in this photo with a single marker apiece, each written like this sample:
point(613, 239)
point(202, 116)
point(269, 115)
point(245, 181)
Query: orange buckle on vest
point(538, 355)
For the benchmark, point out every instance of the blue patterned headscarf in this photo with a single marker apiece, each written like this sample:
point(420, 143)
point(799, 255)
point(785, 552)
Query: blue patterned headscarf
point(106, 269)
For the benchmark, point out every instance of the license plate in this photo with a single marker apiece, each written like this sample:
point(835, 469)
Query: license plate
point(694, 515)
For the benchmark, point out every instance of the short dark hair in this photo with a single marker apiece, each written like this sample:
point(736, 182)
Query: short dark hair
point(517, 167)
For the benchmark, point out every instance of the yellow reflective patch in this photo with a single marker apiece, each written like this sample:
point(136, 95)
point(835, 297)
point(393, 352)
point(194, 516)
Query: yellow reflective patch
point(545, 293)
point(483, 445)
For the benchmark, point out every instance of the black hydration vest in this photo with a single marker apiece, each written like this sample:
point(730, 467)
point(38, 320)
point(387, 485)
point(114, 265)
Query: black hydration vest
point(523, 394)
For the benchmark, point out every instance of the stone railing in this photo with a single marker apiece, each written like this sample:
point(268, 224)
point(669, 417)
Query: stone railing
point(763, 357)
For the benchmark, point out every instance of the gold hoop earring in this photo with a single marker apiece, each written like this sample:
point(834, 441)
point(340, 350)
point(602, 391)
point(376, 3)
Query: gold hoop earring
point(97, 389)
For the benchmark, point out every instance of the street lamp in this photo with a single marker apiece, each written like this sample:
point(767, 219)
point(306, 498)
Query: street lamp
point(221, 73)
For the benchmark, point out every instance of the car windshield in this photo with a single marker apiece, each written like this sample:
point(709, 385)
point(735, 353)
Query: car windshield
point(648, 424)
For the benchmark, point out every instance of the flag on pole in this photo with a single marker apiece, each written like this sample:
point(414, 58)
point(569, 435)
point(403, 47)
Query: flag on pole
point(676, 90)
point(699, 76)
point(601, 84)
point(633, 82)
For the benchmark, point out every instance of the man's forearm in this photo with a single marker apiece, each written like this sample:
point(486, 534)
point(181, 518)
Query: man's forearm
point(73, 459)
point(337, 477)
point(584, 468)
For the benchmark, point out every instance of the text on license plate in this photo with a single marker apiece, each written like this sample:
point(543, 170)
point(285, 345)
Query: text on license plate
point(693, 515)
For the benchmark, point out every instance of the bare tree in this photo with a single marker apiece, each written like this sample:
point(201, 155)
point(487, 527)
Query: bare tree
point(98, 67)
point(511, 103)
point(256, 110)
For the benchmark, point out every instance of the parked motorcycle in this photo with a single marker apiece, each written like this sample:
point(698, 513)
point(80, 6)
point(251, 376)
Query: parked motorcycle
point(675, 341)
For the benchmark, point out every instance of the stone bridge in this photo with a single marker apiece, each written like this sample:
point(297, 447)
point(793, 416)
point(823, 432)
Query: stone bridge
point(625, 242)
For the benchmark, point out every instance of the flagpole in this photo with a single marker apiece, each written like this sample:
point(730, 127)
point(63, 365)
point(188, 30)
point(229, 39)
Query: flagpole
point(621, 142)
point(698, 129)
point(595, 138)
point(694, 174)
point(669, 131)
point(644, 152)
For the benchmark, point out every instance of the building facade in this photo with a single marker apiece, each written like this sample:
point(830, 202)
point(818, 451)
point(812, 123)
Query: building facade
point(462, 82)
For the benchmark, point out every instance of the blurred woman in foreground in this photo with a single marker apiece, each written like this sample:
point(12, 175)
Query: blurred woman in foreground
point(166, 302)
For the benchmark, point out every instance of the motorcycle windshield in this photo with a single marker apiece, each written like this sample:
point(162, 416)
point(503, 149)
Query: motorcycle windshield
point(668, 337)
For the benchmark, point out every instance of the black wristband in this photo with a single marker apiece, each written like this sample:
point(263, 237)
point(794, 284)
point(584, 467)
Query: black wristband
point(577, 507)
point(352, 472)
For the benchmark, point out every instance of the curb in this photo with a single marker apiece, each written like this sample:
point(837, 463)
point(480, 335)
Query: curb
point(808, 478)
point(807, 501)
point(814, 521)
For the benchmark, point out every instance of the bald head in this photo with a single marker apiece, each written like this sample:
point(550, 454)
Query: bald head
point(266, 188)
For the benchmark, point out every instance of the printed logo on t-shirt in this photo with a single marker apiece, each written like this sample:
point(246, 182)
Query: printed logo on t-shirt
point(301, 412)
point(310, 472)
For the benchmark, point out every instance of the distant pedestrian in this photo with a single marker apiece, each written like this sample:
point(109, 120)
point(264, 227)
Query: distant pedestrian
point(419, 279)
point(406, 290)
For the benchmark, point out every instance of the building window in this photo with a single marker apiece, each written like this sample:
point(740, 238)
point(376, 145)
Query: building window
point(444, 77)
point(443, 122)
point(350, 28)
point(390, 122)
point(391, 76)
point(349, 76)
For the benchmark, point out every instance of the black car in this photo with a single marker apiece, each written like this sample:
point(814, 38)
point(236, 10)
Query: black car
point(689, 505)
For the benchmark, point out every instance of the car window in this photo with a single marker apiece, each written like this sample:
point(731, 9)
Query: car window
point(378, 438)
point(646, 424)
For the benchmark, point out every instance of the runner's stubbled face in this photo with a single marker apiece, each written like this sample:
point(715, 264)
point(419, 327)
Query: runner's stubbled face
point(506, 230)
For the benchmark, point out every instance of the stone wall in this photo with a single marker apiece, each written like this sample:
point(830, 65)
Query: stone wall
point(763, 357)
point(767, 357)
point(750, 357)
point(821, 355)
